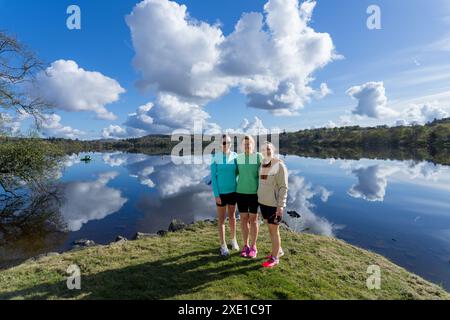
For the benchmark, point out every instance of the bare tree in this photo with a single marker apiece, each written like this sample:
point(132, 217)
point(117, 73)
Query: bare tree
point(18, 69)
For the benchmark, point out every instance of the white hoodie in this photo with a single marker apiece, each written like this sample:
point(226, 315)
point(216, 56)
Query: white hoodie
point(273, 184)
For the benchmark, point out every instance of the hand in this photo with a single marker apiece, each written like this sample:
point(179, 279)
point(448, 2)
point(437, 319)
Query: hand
point(280, 212)
point(219, 201)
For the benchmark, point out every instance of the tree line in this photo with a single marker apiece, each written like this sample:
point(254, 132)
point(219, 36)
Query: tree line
point(433, 137)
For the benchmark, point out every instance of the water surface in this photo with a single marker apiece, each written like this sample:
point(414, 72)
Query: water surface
point(400, 209)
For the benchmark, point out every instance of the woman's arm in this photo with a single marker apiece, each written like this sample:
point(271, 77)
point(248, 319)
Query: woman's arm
point(282, 184)
point(215, 184)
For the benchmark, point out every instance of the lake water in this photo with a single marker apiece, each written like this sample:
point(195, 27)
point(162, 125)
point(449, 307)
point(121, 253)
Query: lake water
point(400, 209)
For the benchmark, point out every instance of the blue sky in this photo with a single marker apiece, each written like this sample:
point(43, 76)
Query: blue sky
point(410, 56)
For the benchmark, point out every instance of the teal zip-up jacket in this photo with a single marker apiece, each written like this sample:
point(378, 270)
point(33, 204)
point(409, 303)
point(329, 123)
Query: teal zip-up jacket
point(223, 173)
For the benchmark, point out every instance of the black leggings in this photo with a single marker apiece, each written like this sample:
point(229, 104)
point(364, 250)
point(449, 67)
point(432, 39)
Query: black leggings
point(247, 203)
point(270, 214)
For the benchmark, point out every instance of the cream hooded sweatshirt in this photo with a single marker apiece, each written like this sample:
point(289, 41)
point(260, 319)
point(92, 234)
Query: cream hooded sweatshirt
point(273, 184)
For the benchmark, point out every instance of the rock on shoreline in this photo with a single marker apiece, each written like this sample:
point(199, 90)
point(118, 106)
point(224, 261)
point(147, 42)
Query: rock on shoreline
point(84, 243)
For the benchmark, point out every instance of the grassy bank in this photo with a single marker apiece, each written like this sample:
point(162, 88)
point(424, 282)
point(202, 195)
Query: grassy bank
point(185, 265)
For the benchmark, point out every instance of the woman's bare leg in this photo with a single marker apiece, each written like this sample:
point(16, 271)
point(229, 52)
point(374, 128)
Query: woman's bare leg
point(274, 231)
point(254, 228)
point(245, 227)
point(232, 220)
point(221, 213)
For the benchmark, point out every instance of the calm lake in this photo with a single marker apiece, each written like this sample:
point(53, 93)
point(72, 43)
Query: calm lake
point(400, 209)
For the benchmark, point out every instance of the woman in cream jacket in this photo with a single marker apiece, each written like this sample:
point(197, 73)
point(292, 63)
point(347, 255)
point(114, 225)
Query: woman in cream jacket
point(272, 196)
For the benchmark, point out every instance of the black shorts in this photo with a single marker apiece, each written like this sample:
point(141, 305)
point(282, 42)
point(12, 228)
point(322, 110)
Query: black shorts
point(227, 199)
point(270, 214)
point(247, 203)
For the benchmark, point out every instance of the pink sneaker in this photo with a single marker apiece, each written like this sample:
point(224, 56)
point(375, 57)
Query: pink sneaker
point(245, 251)
point(272, 262)
point(253, 252)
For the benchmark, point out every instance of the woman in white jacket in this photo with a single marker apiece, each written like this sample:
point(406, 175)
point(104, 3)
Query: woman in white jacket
point(272, 196)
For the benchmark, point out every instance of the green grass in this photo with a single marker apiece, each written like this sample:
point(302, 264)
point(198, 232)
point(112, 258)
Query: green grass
point(186, 265)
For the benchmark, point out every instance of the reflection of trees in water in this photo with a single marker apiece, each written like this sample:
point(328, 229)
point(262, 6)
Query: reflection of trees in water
point(30, 223)
point(441, 156)
point(29, 200)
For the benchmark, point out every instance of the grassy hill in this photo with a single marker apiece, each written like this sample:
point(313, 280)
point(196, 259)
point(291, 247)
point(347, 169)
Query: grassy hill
point(186, 265)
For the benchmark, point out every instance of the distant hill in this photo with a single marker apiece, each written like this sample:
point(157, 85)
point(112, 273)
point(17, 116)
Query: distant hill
point(430, 139)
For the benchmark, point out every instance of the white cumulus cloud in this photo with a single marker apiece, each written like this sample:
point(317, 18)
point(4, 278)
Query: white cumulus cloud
point(175, 53)
point(167, 114)
point(372, 100)
point(114, 131)
point(421, 114)
point(11, 124)
point(271, 57)
point(51, 126)
point(68, 87)
point(255, 127)
point(373, 103)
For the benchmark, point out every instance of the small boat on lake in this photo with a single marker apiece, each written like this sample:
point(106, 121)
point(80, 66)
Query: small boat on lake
point(86, 159)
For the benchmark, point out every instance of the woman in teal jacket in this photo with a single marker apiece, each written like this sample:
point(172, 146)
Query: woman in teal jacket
point(223, 180)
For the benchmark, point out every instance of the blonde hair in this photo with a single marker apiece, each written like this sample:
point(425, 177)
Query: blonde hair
point(268, 144)
point(250, 139)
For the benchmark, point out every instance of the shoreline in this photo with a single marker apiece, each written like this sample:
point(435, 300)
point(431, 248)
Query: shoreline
point(185, 265)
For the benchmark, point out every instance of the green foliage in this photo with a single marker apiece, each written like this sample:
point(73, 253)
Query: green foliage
point(26, 162)
point(148, 145)
point(433, 135)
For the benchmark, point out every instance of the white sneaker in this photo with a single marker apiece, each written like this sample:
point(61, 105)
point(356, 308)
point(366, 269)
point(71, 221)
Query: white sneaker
point(224, 251)
point(279, 256)
point(234, 245)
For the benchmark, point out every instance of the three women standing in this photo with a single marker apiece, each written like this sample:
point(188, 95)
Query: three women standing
point(251, 180)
